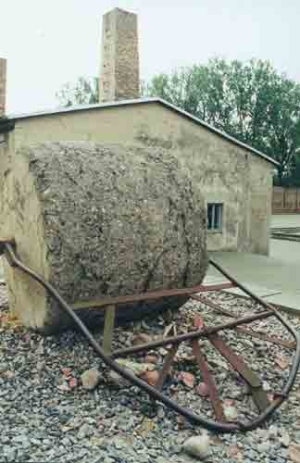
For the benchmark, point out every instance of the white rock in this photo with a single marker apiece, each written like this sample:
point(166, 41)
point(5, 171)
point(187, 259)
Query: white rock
point(197, 446)
point(90, 379)
point(263, 447)
point(266, 386)
point(284, 439)
point(273, 430)
point(230, 412)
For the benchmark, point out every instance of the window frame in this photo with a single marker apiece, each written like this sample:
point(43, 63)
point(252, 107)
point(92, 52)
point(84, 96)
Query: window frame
point(217, 217)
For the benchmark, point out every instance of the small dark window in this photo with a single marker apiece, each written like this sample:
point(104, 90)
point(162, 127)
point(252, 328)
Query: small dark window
point(215, 216)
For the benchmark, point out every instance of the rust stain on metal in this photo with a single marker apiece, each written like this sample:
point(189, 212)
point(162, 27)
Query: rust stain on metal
point(166, 367)
point(204, 332)
point(242, 329)
point(121, 300)
point(209, 381)
point(238, 363)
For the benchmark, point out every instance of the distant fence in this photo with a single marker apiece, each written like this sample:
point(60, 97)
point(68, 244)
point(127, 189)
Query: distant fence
point(286, 200)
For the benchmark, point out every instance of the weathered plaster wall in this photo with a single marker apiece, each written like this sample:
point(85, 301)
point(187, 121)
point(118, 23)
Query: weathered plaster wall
point(225, 172)
point(261, 184)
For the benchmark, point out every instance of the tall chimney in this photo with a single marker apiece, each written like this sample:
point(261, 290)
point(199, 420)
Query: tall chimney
point(119, 77)
point(2, 86)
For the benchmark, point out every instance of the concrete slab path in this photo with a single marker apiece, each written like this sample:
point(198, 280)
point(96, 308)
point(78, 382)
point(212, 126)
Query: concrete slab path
point(275, 278)
point(285, 220)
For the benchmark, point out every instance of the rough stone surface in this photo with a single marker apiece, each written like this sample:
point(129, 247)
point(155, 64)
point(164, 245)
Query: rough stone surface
point(197, 446)
point(90, 379)
point(99, 220)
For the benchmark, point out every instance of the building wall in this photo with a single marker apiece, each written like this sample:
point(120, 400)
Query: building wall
point(225, 172)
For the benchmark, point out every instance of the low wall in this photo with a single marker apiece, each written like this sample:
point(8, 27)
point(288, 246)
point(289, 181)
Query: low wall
point(286, 200)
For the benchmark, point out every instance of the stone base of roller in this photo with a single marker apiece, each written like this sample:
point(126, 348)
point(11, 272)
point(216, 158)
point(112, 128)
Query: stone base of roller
point(98, 220)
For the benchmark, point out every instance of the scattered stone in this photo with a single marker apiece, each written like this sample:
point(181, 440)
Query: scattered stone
point(273, 431)
point(188, 379)
point(90, 379)
point(50, 424)
point(66, 372)
point(152, 358)
point(85, 431)
point(266, 386)
point(284, 439)
point(294, 453)
point(198, 446)
point(263, 447)
point(135, 367)
point(234, 452)
point(230, 412)
point(73, 383)
point(63, 388)
point(282, 361)
point(202, 390)
point(141, 338)
point(151, 377)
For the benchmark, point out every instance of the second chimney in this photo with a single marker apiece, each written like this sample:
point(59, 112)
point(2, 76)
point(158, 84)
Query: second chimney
point(2, 86)
point(119, 79)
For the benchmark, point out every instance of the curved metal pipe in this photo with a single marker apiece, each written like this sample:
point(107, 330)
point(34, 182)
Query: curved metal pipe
point(291, 329)
point(156, 394)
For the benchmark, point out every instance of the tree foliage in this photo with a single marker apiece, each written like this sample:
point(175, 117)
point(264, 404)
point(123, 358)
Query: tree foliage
point(84, 91)
point(250, 101)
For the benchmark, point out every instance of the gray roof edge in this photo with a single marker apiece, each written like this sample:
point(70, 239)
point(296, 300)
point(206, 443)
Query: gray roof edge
point(71, 109)
point(165, 103)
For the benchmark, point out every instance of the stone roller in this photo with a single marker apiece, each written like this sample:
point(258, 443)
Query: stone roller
point(99, 220)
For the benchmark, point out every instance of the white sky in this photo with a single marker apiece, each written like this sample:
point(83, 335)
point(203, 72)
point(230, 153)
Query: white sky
point(50, 42)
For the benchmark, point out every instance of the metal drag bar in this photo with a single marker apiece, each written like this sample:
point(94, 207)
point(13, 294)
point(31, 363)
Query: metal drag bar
point(7, 248)
point(242, 329)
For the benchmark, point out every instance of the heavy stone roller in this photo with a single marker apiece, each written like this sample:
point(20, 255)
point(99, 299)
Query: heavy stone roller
point(100, 220)
point(108, 222)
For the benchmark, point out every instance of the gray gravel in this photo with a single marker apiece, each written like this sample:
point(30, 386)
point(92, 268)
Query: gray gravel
point(42, 418)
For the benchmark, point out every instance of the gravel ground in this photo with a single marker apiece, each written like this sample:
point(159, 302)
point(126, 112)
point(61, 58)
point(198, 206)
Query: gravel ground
point(46, 415)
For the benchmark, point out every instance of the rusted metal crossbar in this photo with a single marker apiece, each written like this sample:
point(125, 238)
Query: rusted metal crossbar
point(211, 333)
point(166, 367)
point(242, 329)
point(209, 381)
point(253, 381)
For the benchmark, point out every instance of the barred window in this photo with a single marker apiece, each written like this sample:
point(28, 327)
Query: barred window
point(215, 216)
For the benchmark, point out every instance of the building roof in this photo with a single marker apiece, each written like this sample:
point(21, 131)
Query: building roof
point(16, 117)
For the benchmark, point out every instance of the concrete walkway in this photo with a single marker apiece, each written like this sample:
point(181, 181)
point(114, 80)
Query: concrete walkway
point(275, 278)
point(285, 220)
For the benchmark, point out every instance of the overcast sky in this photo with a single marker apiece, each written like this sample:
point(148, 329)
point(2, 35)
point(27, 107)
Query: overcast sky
point(50, 42)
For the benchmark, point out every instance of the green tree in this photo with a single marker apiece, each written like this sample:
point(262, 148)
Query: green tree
point(249, 101)
point(84, 91)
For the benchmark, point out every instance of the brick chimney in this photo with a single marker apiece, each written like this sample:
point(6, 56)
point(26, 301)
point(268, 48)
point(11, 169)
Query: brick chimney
point(2, 86)
point(119, 77)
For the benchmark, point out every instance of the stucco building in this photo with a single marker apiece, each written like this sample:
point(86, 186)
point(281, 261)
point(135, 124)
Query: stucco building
point(235, 179)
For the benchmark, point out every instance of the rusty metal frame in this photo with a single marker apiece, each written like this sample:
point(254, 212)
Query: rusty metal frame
point(8, 248)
